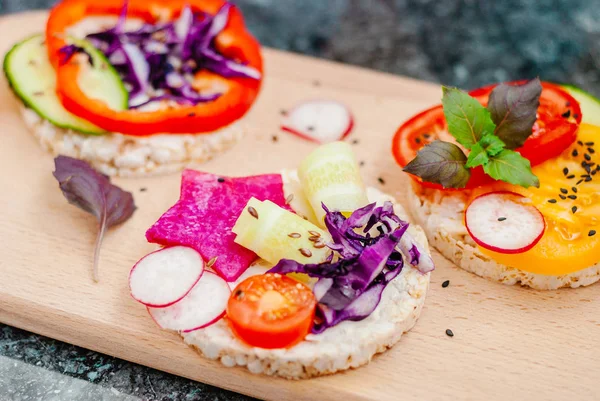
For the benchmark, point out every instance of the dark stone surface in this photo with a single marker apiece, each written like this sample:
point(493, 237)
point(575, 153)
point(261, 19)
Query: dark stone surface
point(111, 375)
point(465, 43)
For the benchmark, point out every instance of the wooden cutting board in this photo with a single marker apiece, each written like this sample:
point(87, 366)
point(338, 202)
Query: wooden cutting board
point(509, 342)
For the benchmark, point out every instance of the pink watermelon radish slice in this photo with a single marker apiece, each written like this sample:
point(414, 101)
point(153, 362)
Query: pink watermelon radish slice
point(207, 210)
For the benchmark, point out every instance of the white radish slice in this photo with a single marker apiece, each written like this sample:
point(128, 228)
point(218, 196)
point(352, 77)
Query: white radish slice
point(504, 222)
point(204, 305)
point(321, 121)
point(163, 277)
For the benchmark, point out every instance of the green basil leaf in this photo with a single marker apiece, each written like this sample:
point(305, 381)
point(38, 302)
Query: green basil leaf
point(492, 144)
point(441, 163)
point(468, 121)
point(513, 109)
point(511, 167)
point(477, 157)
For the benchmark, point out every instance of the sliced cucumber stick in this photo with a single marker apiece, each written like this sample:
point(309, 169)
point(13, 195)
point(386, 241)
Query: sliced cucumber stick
point(101, 81)
point(590, 105)
point(33, 79)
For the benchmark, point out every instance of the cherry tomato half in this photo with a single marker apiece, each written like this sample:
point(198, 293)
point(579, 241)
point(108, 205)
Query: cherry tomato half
point(271, 311)
point(554, 131)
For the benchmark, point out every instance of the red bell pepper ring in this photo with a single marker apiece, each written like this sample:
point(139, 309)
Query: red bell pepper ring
point(234, 42)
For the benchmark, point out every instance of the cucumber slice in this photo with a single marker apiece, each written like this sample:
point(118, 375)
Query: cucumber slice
point(33, 79)
point(280, 234)
point(330, 175)
point(590, 105)
point(99, 80)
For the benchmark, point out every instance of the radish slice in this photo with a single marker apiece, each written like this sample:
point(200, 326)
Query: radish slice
point(204, 305)
point(163, 277)
point(321, 121)
point(504, 222)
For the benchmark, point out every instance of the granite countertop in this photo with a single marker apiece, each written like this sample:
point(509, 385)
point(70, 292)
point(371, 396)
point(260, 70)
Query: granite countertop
point(465, 43)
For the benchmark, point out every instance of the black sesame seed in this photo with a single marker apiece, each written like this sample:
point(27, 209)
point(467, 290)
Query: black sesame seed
point(572, 197)
point(449, 333)
point(588, 179)
point(592, 233)
point(580, 143)
point(143, 189)
point(575, 153)
point(584, 176)
point(576, 116)
point(571, 176)
point(574, 209)
point(283, 112)
point(445, 283)
point(562, 197)
point(578, 182)
point(501, 218)
point(355, 141)
point(589, 144)
point(426, 136)
point(568, 104)
point(565, 171)
point(587, 157)
point(566, 114)
point(221, 179)
point(598, 167)
point(362, 163)
point(574, 189)
point(594, 172)
point(586, 167)
point(552, 200)
point(418, 140)
point(591, 151)
point(310, 128)
point(381, 180)
point(564, 190)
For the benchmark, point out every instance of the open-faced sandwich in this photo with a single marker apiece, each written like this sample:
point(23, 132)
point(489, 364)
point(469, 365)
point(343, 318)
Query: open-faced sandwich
point(506, 181)
point(298, 274)
point(148, 86)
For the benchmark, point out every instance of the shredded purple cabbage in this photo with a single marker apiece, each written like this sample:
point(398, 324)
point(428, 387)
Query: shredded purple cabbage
point(157, 62)
point(350, 287)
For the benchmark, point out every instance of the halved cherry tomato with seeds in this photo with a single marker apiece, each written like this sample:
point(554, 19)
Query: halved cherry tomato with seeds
point(271, 311)
point(554, 131)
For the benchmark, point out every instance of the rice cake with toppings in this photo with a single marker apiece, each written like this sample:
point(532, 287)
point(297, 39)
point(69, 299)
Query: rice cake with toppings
point(441, 217)
point(348, 345)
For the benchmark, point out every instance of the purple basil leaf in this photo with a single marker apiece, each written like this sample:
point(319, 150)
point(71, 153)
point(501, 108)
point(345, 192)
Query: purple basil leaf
point(440, 163)
point(91, 191)
point(513, 109)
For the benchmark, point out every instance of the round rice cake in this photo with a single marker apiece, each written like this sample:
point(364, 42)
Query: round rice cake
point(130, 156)
point(347, 345)
point(441, 215)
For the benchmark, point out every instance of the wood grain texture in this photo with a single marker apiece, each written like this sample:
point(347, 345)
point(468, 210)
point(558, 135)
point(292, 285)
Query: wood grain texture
point(509, 343)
